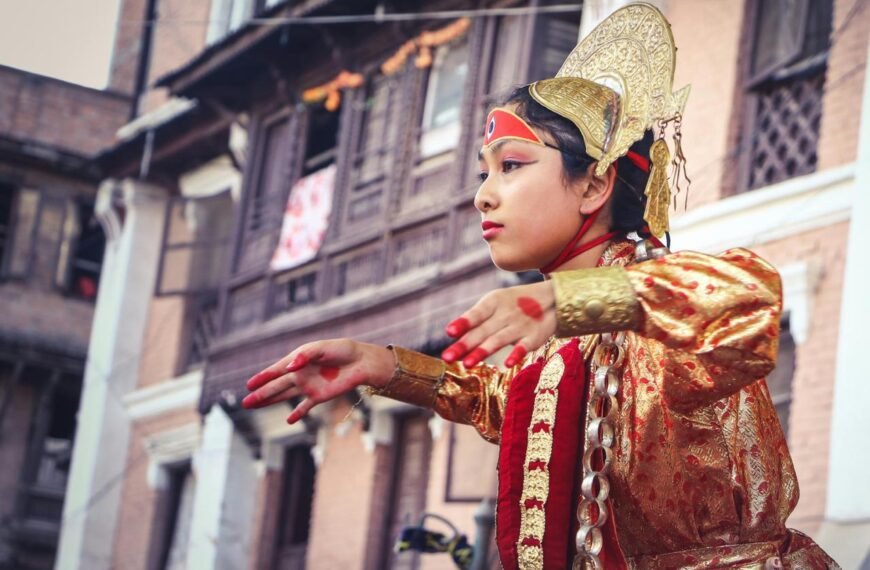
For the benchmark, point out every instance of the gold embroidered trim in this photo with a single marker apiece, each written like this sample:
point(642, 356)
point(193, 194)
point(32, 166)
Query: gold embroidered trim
point(536, 482)
point(594, 300)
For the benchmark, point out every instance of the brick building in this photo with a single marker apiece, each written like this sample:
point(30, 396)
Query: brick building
point(51, 248)
point(193, 301)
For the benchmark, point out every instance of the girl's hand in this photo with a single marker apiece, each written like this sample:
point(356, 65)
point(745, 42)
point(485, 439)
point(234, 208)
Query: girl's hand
point(319, 371)
point(524, 316)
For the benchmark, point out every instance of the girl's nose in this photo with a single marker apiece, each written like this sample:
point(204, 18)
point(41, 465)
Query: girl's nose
point(485, 199)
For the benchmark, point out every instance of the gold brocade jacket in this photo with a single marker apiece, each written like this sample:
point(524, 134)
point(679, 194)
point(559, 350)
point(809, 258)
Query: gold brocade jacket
point(702, 476)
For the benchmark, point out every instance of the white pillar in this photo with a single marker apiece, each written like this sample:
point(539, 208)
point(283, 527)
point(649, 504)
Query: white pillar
point(848, 497)
point(132, 215)
point(226, 483)
point(849, 470)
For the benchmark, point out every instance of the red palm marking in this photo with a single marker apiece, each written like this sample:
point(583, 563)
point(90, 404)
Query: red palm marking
point(329, 372)
point(530, 307)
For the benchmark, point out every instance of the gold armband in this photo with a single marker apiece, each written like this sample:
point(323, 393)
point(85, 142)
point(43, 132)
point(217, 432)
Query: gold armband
point(416, 379)
point(592, 301)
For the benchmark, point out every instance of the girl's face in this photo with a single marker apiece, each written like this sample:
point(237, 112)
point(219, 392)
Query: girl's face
point(529, 212)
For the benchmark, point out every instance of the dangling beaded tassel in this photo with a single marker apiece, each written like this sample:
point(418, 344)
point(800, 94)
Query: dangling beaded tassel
point(679, 164)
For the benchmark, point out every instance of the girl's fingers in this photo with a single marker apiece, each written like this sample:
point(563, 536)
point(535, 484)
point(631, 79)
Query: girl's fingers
point(296, 360)
point(300, 411)
point(516, 356)
point(491, 345)
point(257, 398)
point(263, 377)
point(472, 318)
point(291, 392)
point(470, 342)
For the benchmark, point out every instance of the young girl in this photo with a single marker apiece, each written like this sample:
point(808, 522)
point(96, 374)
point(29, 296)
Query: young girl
point(635, 426)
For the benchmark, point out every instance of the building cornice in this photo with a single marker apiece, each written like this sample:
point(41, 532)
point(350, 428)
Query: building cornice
point(768, 214)
point(178, 393)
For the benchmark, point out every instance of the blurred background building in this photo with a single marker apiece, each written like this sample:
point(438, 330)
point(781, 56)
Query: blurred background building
point(266, 173)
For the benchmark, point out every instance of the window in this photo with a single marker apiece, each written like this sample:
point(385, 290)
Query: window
point(785, 83)
point(320, 140)
point(196, 239)
point(86, 248)
point(19, 214)
point(555, 37)
point(52, 430)
point(265, 193)
point(373, 151)
point(444, 94)
point(357, 270)
point(175, 516)
point(227, 16)
point(507, 53)
point(378, 127)
point(294, 522)
point(296, 288)
point(418, 248)
point(779, 382)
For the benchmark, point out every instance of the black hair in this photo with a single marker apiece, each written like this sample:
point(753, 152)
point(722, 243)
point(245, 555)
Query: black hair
point(628, 200)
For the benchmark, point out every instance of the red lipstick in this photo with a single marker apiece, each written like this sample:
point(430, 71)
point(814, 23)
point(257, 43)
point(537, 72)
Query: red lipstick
point(491, 229)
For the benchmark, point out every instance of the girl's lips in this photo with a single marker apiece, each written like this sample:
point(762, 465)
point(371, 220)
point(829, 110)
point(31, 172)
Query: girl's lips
point(491, 232)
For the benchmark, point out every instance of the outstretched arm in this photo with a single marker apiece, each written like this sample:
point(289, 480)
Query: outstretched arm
point(719, 312)
point(323, 370)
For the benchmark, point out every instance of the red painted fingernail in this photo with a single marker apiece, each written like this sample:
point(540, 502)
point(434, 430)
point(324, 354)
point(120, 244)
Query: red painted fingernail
point(476, 356)
point(458, 327)
point(515, 356)
point(453, 352)
point(250, 400)
point(299, 362)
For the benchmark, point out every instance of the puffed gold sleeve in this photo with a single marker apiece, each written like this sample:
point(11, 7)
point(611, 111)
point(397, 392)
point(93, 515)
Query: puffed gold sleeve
point(473, 396)
point(720, 314)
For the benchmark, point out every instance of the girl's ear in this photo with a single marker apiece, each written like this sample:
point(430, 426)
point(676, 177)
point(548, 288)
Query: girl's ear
point(598, 189)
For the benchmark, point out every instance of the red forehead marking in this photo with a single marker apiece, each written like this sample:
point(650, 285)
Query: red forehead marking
point(503, 124)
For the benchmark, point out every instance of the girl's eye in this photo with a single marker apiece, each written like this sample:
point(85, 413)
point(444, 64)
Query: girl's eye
point(482, 176)
point(509, 165)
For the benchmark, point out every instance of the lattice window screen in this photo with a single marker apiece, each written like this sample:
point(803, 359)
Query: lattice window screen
point(786, 130)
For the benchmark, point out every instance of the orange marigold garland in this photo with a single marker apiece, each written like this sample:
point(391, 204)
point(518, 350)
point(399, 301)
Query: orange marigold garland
point(423, 44)
point(330, 91)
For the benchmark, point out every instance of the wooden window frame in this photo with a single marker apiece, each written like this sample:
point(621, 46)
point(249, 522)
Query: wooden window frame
point(194, 244)
point(788, 69)
point(251, 183)
point(6, 272)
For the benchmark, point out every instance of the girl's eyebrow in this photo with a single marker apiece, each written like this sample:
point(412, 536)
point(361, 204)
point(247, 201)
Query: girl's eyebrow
point(494, 147)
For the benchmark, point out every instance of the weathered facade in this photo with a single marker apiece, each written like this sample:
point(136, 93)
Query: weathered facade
point(201, 180)
point(51, 248)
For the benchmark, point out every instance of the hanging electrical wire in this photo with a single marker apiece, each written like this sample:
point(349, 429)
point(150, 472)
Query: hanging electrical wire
point(378, 17)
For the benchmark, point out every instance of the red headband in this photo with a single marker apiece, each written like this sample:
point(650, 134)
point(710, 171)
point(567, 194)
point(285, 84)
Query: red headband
point(503, 124)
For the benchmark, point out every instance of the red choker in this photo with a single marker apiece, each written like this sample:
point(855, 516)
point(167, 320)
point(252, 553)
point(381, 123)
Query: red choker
point(570, 252)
